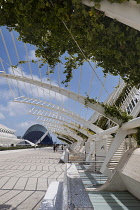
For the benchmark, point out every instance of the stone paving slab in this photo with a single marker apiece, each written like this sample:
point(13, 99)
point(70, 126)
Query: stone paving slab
point(25, 176)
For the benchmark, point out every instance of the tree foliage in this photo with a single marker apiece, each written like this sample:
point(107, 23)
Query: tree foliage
point(110, 110)
point(137, 136)
point(115, 46)
point(102, 123)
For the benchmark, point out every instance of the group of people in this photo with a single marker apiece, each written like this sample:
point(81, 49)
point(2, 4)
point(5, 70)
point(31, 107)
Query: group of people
point(55, 147)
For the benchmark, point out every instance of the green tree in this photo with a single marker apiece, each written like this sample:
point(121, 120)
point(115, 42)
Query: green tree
point(53, 25)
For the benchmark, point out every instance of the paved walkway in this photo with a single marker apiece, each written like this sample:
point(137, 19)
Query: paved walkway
point(25, 176)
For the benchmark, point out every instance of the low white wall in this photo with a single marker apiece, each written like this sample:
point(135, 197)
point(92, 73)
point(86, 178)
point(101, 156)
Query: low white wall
point(127, 176)
point(74, 194)
point(65, 157)
point(53, 197)
point(130, 173)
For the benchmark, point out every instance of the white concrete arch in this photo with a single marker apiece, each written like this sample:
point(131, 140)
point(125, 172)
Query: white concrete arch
point(76, 146)
point(81, 99)
point(31, 143)
point(59, 127)
point(67, 131)
point(59, 136)
point(71, 123)
point(41, 103)
point(126, 129)
point(60, 110)
point(65, 124)
point(44, 113)
point(126, 12)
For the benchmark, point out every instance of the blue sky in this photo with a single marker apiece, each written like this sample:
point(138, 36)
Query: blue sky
point(15, 115)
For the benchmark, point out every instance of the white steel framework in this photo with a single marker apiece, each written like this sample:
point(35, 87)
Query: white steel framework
point(20, 81)
point(60, 110)
point(79, 98)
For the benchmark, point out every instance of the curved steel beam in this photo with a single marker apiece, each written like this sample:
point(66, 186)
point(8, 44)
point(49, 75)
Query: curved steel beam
point(63, 139)
point(81, 99)
point(67, 132)
point(65, 123)
point(60, 110)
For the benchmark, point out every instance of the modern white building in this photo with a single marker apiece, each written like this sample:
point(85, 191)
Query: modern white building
point(7, 136)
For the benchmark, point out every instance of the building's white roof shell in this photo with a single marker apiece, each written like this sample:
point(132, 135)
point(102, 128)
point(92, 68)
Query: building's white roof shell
point(4, 128)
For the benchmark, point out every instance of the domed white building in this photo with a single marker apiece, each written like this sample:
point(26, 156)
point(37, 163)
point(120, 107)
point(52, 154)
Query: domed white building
point(7, 136)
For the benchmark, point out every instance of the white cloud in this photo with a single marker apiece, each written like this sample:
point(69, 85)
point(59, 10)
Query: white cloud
point(5, 94)
point(16, 71)
point(2, 116)
point(33, 90)
point(31, 55)
point(14, 109)
point(3, 81)
point(26, 125)
point(2, 108)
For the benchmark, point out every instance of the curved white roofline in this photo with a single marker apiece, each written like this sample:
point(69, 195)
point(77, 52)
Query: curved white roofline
point(7, 129)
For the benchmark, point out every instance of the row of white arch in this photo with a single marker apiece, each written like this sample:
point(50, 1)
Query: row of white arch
point(61, 128)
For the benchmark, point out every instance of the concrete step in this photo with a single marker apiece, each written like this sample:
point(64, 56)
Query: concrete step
point(92, 179)
point(103, 200)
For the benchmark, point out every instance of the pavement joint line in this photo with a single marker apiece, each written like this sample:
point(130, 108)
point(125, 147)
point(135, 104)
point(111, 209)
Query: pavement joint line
point(5, 183)
point(22, 190)
point(4, 190)
point(42, 169)
point(12, 197)
point(16, 183)
point(39, 201)
point(16, 172)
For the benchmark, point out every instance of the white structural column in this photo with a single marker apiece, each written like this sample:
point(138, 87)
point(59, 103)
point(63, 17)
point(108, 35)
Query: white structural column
point(126, 128)
point(98, 137)
point(82, 144)
point(64, 139)
point(110, 100)
point(121, 134)
point(80, 141)
point(135, 111)
point(62, 135)
point(81, 99)
point(41, 139)
point(78, 146)
point(127, 12)
point(73, 145)
point(31, 143)
point(131, 124)
point(91, 149)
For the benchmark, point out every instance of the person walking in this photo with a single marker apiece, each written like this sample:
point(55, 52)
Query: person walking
point(54, 147)
point(62, 147)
